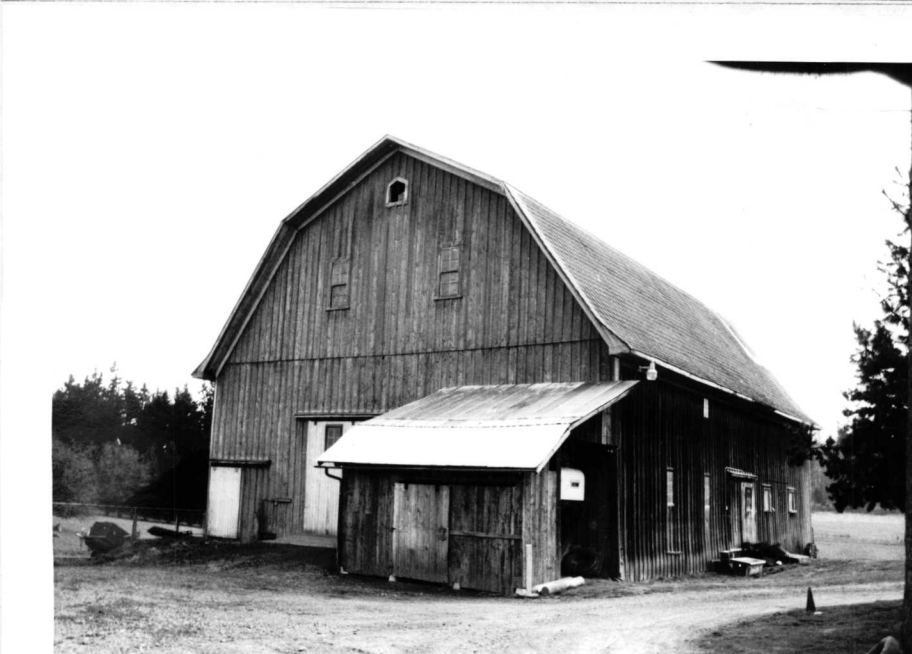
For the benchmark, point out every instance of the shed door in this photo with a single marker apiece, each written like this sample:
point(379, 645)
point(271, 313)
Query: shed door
point(224, 505)
point(321, 493)
point(421, 531)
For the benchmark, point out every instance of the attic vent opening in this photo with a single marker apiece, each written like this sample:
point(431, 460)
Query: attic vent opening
point(397, 192)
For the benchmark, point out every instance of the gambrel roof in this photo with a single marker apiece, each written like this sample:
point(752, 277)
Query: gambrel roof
point(635, 310)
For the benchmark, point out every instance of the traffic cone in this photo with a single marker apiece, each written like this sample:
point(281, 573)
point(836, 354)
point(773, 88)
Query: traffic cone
point(811, 607)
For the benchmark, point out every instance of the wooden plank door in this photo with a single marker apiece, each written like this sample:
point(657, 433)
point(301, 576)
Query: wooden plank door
point(748, 512)
point(421, 531)
point(485, 548)
point(224, 504)
point(321, 493)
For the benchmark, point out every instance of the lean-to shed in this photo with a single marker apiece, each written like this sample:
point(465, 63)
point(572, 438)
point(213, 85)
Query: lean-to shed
point(425, 353)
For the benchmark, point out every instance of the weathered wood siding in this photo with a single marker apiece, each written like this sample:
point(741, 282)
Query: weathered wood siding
point(660, 426)
point(366, 523)
point(489, 520)
point(516, 321)
point(541, 523)
point(486, 546)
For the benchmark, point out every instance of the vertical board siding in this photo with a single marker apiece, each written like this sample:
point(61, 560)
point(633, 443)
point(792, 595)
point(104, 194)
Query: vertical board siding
point(481, 555)
point(508, 288)
point(540, 524)
point(661, 426)
point(389, 524)
point(516, 322)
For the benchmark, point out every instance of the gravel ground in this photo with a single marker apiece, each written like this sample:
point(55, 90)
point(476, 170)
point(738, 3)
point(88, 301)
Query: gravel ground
point(283, 598)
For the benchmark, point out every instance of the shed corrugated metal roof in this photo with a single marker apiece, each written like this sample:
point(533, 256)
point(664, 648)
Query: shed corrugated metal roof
point(506, 427)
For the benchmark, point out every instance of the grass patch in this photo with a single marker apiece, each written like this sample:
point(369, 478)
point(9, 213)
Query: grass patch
point(837, 630)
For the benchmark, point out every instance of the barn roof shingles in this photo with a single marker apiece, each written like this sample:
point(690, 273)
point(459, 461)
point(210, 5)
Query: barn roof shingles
point(652, 316)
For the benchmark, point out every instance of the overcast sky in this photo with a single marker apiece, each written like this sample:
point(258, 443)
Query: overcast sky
point(150, 152)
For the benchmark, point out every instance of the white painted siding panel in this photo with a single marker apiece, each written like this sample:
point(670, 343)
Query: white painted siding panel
point(224, 501)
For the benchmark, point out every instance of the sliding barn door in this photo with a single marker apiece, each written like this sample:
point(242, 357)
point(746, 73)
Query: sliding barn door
point(421, 531)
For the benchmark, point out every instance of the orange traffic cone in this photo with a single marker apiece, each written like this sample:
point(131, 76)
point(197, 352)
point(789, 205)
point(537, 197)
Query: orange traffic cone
point(811, 607)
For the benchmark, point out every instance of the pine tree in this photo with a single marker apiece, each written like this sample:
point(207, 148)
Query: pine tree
point(868, 461)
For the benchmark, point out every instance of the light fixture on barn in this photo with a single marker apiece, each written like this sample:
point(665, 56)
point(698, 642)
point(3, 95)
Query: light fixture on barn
point(651, 372)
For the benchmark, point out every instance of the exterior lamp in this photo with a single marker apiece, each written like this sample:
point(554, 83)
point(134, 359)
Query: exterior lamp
point(651, 372)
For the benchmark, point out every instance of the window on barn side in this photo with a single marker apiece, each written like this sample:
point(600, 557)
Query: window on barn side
point(767, 499)
point(397, 192)
point(332, 434)
point(448, 272)
point(670, 536)
point(338, 285)
point(792, 501)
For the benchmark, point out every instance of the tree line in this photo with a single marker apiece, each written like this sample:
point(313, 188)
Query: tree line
point(114, 443)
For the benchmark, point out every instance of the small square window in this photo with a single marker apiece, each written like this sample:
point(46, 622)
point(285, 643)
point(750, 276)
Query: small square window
point(332, 434)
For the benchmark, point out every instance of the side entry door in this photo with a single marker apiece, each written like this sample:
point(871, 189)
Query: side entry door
point(421, 522)
point(748, 512)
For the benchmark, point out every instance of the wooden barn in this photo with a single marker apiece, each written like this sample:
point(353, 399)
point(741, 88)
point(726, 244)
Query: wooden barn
point(461, 386)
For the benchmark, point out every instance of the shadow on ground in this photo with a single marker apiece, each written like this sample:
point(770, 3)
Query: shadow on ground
point(852, 629)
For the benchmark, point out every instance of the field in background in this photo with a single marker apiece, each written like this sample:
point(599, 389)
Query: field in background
point(860, 536)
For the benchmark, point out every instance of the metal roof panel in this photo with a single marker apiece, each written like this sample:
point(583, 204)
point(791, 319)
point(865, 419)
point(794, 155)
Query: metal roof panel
point(505, 427)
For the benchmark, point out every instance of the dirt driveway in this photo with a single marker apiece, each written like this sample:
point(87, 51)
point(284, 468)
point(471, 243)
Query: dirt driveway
point(284, 599)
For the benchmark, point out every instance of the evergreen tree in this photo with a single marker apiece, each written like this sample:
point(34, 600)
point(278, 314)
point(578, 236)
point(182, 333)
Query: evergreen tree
point(111, 442)
point(867, 463)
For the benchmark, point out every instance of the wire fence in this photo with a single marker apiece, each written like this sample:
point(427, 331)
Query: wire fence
point(164, 515)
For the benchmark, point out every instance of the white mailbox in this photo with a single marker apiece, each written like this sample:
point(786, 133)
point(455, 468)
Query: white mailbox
point(573, 485)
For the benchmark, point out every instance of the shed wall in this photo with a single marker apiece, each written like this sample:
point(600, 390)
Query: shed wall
point(490, 519)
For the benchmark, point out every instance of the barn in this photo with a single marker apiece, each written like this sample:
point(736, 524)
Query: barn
point(461, 386)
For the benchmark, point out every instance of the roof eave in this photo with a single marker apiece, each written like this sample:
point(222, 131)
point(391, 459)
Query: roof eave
point(724, 389)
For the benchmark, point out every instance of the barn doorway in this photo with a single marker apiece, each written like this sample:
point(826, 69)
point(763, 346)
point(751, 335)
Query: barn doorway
point(421, 516)
point(748, 512)
point(586, 524)
point(321, 493)
point(743, 508)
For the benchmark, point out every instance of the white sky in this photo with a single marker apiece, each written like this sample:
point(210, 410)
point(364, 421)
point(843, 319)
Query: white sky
point(150, 151)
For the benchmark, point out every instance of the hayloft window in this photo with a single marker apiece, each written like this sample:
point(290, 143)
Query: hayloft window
point(767, 499)
point(397, 192)
point(332, 434)
point(338, 286)
point(792, 501)
point(448, 272)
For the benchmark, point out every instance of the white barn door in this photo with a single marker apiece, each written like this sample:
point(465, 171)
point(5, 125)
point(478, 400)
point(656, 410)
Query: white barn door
point(321, 493)
point(224, 505)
